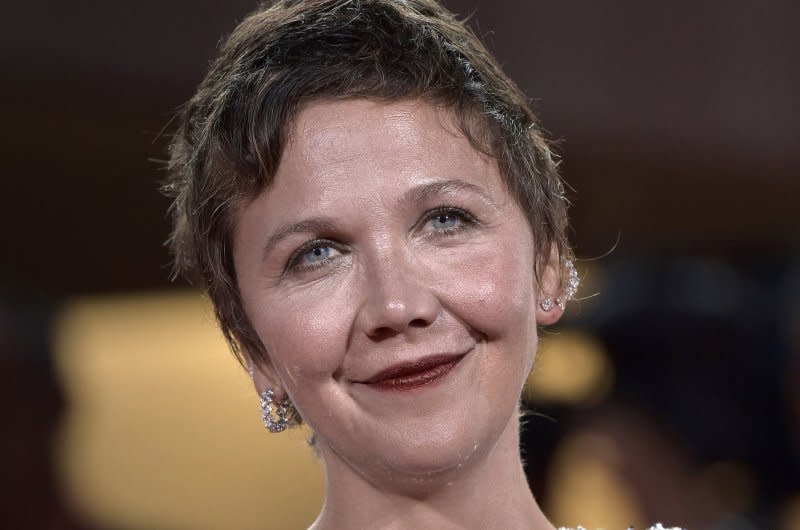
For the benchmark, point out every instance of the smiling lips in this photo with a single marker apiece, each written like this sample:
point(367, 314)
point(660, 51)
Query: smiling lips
point(410, 375)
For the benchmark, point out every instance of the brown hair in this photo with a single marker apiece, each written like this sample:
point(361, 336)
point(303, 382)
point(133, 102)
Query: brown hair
point(231, 133)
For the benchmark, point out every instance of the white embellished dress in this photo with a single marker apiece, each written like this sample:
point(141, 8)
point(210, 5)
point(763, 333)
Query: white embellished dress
point(658, 526)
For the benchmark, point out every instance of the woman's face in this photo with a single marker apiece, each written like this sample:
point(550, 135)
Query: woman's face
point(389, 274)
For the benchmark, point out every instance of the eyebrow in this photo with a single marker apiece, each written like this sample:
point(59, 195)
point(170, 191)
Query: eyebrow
point(426, 192)
point(312, 225)
point(415, 195)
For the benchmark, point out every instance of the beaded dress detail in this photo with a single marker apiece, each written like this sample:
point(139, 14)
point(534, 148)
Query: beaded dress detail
point(658, 526)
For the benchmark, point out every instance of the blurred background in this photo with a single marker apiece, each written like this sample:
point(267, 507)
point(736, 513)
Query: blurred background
point(671, 393)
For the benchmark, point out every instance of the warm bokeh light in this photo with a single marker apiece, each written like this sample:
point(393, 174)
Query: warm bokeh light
point(163, 428)
point(586, 489)
point(571, 368)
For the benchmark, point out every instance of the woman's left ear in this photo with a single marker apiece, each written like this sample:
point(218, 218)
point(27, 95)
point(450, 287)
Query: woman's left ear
point(548, 306)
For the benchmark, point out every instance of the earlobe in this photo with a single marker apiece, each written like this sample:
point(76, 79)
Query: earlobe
point(548, 312)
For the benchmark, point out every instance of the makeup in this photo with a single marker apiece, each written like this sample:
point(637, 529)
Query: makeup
point(415, 374)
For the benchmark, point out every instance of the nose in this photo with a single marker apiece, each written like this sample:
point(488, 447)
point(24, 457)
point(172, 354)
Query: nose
point(399, 296)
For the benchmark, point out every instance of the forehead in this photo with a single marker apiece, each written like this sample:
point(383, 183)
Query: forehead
point(356, 145)
point(328, 127)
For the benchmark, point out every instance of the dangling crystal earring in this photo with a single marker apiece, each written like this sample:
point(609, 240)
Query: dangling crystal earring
point(278, 419)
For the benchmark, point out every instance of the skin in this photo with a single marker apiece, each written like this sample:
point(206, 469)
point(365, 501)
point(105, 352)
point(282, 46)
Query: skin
point(386, 238)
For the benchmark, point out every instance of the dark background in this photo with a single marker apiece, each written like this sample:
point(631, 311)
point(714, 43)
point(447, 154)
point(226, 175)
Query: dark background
point(677, 122)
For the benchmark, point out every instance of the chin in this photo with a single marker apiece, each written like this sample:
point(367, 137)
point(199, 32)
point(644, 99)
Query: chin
point(429, 451)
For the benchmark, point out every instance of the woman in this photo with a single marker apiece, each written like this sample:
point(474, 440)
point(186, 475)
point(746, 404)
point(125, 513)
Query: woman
point(378, 220)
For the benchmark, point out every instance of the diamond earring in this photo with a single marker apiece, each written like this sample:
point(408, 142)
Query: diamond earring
point(573, 282)
point(275, 419)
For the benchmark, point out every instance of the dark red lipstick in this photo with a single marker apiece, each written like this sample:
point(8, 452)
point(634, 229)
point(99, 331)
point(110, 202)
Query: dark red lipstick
point(414, 374)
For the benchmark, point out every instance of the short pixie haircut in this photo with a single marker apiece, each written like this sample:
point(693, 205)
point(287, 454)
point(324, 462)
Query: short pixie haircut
point(232, 132)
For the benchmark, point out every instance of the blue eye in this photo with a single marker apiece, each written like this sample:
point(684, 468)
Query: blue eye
point(314, 254)
point(449, 220)
point(445, 221)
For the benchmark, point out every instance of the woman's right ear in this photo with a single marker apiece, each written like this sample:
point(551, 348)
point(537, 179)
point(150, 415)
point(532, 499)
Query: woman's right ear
point(277, 410)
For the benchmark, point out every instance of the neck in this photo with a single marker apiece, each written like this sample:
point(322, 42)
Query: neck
point(490, 492)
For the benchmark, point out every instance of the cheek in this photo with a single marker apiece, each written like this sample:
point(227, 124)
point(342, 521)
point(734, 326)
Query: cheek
point(492, 291)
point(305, 336)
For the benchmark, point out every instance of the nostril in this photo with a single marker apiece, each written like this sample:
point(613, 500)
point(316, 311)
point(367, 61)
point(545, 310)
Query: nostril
point(418, 323)
point(383, 333)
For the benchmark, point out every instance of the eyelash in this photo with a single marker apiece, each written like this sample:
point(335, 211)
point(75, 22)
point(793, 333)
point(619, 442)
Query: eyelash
point(293, 265)
point(465, 218)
